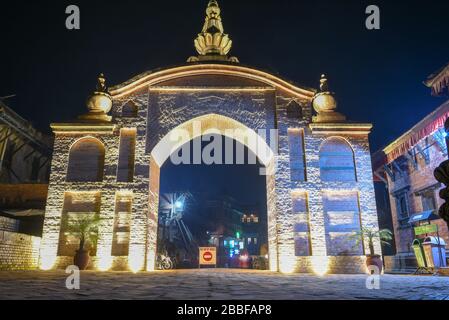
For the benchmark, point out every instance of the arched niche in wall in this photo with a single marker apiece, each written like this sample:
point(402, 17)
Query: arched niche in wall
point(86, 161)
point(129, 110)
point(337, 160)
point(294, 110)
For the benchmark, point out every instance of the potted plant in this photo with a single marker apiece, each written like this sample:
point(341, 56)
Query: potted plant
point(85, 228)
point(370, 234)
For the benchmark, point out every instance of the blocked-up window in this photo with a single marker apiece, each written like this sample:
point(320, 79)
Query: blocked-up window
point(337, 160)
point(77, 206)
point(125, 170)
point(294, 110)
point(342, 221)
point(301, 226)
point(129, 110)
point(86, 161)
point(297, 155)
point(122, 225)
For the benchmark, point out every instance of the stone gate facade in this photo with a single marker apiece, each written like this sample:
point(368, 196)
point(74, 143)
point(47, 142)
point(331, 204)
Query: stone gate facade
point(107, 162)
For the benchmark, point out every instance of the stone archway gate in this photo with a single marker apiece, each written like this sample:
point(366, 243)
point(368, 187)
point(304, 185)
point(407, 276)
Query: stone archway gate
point(219, 96)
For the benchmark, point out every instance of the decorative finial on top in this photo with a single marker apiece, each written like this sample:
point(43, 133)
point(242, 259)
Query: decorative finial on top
point(325, 104)
point(99, 103)
point(212, 43)
point(101, 83)
point(323, 83)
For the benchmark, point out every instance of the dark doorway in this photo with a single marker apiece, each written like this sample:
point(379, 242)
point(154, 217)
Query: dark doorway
point(220, 205)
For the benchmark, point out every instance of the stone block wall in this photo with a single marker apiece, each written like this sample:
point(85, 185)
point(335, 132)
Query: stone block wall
point(316, 189)
point(108, 189)
point(18, 251)
point(156, 111)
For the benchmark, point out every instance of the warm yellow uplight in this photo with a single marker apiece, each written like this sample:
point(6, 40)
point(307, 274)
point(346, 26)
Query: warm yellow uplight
point(104, 263)
point(286, 264)
point(136, 259)
point(47, 262)
point(320, 265)
point(151, 261)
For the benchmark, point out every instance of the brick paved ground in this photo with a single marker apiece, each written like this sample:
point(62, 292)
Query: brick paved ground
point(217, 284)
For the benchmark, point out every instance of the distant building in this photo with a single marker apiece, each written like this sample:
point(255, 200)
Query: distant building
point(24, 171)
point(22, 208)
point(253, 225)
point(25, 153)
point(406, 166)
point(383, 200)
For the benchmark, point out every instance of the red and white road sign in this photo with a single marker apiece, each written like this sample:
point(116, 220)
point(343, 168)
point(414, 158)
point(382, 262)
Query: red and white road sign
point(208, 256)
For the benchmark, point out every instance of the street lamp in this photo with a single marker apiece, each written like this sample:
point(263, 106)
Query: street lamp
point(179, 205)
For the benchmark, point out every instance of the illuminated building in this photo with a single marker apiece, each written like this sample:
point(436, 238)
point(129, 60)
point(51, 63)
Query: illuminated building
point(406, 166)
point(319, 180)
point(25, 155)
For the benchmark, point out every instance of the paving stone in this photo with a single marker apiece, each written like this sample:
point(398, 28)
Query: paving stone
point(219, 284)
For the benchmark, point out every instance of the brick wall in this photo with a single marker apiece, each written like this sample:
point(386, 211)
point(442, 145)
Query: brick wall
point(8, 224)
point(18, 251)
point(413, 181)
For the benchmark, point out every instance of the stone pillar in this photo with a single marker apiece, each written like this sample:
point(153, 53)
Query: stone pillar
point(315, 195)
point(152, 220)
point(368, 209)
point(138, 229)
point(272, 217)
point(105, 230)
point(54, 205)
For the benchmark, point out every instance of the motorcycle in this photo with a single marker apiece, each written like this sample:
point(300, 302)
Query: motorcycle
point(164, 262)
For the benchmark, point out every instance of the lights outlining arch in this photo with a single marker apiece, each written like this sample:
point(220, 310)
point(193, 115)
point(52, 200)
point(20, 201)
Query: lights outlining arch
point(212, 124)
point(153, 78)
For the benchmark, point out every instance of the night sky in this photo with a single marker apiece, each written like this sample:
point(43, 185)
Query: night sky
point(377, 75)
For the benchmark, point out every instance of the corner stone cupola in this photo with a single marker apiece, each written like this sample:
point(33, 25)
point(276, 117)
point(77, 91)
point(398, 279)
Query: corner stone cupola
point(96, 120)
point(325, 105)
point(212, 44)
point(99, 103)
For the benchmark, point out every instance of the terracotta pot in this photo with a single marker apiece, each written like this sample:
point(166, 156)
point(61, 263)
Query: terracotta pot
point(374, 260)
point(81, 259)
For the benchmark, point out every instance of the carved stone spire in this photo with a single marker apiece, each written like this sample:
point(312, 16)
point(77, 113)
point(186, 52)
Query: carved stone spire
point(325, 104)
point(212, 43)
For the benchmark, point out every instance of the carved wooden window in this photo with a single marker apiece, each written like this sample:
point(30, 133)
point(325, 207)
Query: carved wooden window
point(86, 161)
point(402, 206)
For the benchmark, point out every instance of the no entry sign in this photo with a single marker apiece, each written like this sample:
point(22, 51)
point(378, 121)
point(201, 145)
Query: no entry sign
point(208, 256)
